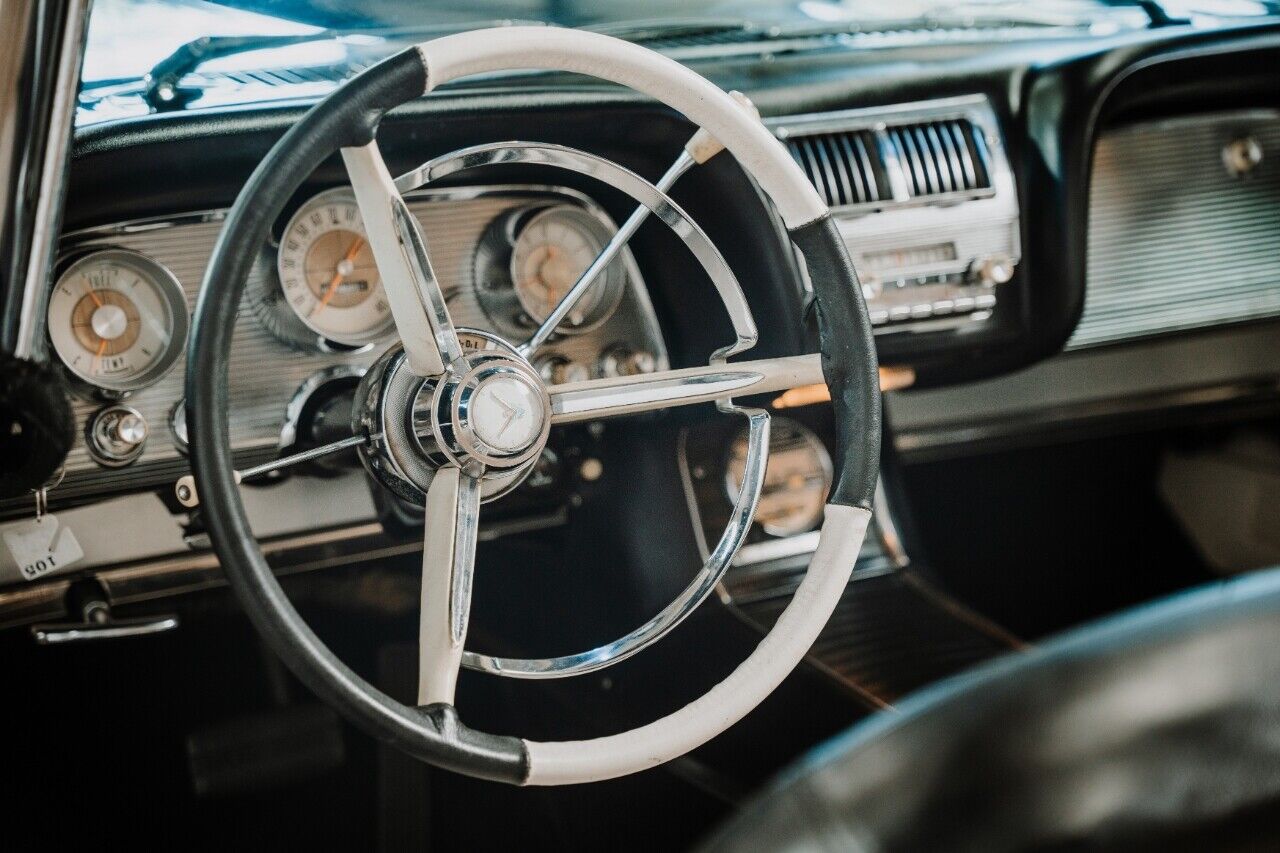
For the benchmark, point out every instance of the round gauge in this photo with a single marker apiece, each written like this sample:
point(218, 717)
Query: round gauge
point(529, 258)
point(328, 274)
point(552, 250)
point(796, 480)
point(117, 320)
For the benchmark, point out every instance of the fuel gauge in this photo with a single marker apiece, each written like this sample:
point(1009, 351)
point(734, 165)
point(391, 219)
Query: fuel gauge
point(117, 320)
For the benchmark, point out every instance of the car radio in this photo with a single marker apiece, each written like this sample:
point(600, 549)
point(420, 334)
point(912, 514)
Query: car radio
point(924, 198)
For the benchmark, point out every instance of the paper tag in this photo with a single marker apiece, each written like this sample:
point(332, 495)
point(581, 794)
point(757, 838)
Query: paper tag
point(41, 546)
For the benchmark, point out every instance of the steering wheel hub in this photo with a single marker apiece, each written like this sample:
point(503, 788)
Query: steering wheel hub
point(505, 412)
point(488, 413)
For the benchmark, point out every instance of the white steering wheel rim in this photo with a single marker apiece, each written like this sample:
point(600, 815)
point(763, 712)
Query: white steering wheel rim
point(762, 156)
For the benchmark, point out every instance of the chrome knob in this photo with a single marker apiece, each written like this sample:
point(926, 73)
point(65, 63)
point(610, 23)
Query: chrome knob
point(624, 361)
point(116, 435)
point(993, 269)
point(872, 286)
point(557, 370)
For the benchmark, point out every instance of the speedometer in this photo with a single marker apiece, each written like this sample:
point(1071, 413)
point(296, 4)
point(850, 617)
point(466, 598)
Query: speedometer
point(117, 320)
point(796, 480)
point(328, 273)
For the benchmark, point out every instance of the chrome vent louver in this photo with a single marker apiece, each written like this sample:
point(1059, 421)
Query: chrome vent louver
point(940, 157)
point(931, 158)
point(844, 166)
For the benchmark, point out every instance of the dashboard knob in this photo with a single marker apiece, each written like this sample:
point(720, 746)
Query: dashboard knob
point(116, 435)
point(178, 425)
point(557, 370)
point(992, 269)
point(624, 361)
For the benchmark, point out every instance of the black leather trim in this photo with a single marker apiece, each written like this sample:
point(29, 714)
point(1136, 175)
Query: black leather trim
point(360, 104)
point(349, 117)
point(848, 360)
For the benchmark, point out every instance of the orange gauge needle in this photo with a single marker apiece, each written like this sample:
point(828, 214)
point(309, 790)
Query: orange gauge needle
point(356, 245)
point(97, 357)
point(93, 294)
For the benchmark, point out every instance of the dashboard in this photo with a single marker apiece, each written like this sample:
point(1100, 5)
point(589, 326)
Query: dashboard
point(314, 316)
point(993, 196)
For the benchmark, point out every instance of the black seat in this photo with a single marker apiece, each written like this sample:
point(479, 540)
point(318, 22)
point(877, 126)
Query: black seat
point(1155, 729)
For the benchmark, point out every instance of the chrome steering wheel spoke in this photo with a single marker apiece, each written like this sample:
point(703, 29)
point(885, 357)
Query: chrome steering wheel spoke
point(629, 395)
point(700, 148)
point(448, 564)
point(413, 292)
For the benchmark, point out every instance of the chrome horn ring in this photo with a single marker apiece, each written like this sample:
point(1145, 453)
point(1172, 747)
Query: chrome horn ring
point(661, 205)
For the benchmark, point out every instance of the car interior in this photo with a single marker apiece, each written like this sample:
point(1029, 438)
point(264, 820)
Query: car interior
point(756, 425)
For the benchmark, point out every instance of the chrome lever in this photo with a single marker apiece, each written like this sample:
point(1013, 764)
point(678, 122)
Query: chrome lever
point(185, 488)
point(97, 624)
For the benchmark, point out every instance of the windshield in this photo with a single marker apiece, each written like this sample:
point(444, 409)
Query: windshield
point(148, 56)
point(128, 37)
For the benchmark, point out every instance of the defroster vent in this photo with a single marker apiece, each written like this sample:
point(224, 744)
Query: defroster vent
point(937, 157)
point(844, 166)
point(862, 166)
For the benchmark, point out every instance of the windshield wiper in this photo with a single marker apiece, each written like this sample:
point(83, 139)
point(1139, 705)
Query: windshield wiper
point(163, 93)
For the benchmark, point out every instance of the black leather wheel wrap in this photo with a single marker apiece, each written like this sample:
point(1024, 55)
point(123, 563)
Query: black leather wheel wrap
point(848, 360)
point(349, 117)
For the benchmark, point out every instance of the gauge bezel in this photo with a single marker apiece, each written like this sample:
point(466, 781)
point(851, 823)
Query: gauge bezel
point(172, 295)
point(814, 443)
point(494, 263)
point(346, 195)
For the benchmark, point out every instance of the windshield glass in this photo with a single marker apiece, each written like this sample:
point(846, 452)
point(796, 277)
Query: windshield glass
point(128, 37)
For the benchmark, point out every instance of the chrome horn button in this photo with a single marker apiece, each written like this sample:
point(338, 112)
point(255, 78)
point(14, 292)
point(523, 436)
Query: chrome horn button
point(506, 413)
point(498, 413)
point(489, 413)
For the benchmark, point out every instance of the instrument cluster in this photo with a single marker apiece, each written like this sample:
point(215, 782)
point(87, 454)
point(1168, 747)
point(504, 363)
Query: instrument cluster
point(119, 311)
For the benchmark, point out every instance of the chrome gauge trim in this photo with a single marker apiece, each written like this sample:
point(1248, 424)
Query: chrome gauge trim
point(812, 444)
point(498, 281)
point(298, 242)
point(173, 301)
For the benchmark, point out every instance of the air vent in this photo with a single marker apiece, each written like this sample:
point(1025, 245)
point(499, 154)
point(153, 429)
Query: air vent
point(938, 157)
point(844, 166)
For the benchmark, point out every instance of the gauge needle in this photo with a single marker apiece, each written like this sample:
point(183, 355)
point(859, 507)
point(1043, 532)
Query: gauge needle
point(97, 357)
point(356, 245)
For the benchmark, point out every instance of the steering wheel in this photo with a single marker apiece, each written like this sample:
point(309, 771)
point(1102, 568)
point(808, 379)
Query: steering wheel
point(454, 417)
